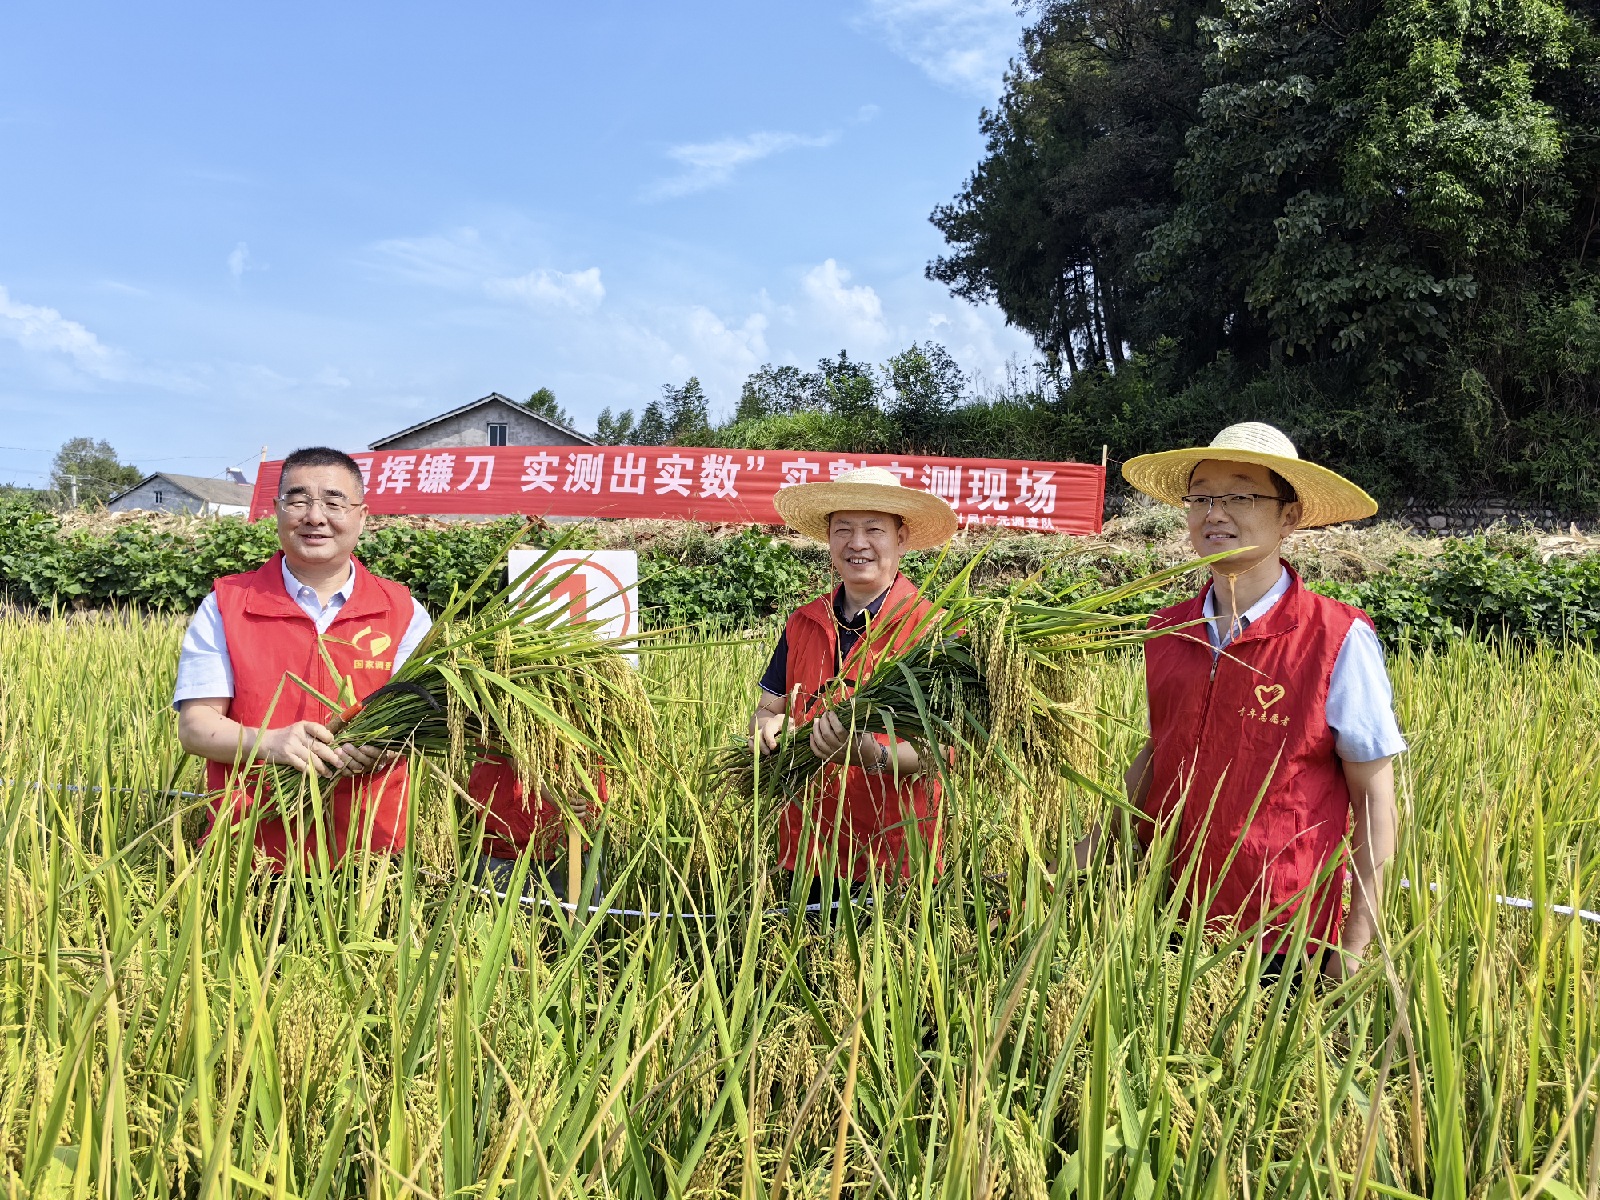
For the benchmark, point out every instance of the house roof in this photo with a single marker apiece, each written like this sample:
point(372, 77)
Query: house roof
point(489, 399)
point(212, 491)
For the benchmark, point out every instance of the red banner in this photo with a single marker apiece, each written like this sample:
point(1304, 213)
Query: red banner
point(685, 483)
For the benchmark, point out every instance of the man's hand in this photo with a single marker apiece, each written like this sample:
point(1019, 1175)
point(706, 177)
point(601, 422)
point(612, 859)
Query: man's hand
point(768, 720)
point(362, 760)
point(765, 727)
point(830, 741)
point(306, 746)
point(1345, 959)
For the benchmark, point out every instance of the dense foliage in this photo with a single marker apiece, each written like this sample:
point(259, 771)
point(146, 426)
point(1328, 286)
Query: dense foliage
point(1372, 221)
point(700, 577)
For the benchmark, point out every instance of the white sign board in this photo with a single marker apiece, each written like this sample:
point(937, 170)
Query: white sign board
point(603, 585)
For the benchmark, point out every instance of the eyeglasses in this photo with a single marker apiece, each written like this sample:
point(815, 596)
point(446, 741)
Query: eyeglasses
point(1234, 504)
point(298, 504)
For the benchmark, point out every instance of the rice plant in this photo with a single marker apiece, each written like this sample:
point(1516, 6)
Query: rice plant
point(174, 1024)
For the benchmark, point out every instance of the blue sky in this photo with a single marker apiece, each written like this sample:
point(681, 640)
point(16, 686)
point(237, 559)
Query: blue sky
point(224, 226)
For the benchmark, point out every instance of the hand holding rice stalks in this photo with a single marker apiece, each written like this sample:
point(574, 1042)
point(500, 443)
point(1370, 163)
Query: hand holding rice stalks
point(993, 675)
point(508, 673)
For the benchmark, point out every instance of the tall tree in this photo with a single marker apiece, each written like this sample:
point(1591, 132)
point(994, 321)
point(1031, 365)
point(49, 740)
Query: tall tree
point(614, 431)
point(925, 386)
point(849, 389)
point(1078, 169)
point(685, 409)
point(778, 391)
point(544, 403)
point(88, 469)
point(1376, 221)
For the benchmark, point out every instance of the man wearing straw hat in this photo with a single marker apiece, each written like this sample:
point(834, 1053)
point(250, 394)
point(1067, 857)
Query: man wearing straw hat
point(1272, 728)
point(871, 805)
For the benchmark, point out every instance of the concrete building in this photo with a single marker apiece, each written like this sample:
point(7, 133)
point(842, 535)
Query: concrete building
point(495, 420)
point(166, 492)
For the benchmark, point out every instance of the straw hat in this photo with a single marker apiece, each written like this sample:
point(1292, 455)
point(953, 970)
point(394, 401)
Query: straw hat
point(1326, 497)
point(807, 506)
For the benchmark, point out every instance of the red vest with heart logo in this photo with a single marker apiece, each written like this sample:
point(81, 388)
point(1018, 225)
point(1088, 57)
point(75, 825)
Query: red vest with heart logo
point(1252, 723)
point(269, 636)
point(866, 817)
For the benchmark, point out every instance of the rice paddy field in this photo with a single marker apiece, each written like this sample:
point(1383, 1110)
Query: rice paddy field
point(173, 1025)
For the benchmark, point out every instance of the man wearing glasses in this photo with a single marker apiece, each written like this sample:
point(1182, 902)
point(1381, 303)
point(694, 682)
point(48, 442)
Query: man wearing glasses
point(1272, 728)
point(313, 611)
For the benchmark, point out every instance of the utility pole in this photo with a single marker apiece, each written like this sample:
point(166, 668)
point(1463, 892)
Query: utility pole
point(73, 479)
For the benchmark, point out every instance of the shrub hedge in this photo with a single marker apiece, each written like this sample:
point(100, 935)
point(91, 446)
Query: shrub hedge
point(1482, 584)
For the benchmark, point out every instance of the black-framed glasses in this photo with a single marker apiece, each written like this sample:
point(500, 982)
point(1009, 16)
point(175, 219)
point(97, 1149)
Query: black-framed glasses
point(298, 504)
point(1234, 503)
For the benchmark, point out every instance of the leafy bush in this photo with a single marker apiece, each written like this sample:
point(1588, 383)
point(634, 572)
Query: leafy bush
point(1488, 584)
point(1475, 587)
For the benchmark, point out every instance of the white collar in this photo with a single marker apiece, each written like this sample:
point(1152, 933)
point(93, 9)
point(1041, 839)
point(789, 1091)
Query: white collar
point(1253, 614)
point(293, 585)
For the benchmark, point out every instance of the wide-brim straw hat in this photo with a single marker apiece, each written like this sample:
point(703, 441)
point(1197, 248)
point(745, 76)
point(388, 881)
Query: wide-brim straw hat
point(929, 520)
point(1326, 497)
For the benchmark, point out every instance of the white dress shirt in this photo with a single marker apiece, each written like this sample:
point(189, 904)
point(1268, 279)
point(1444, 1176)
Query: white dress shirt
point(1360, 706)
point(205, 672)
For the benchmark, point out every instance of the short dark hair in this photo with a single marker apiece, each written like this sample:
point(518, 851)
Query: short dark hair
point(1282, 486)
point(323, 456)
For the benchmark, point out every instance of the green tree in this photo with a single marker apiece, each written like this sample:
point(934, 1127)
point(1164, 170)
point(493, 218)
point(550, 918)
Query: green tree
point(685, 411)
point(1375, 222)
point(1077, 170)
point(925, 386)
point(615, 431)
point(776, 391)
point(543, 402)
point(88, 470)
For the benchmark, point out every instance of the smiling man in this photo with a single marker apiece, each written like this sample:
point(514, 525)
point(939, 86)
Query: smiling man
point(314, 611)
point(1272, 728)
point(867, 806)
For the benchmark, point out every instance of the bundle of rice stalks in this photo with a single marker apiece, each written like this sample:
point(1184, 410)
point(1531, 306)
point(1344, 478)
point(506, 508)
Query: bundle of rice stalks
point(992, 675)
point(506, 672)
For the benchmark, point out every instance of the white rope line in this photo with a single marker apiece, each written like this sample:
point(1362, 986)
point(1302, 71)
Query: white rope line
point(1518, 902)
point(1563, 910)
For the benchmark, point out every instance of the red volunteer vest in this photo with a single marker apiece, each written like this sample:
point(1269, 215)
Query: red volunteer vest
point(268, 636)
point(1217, 732)
point(511, 824)
point(866, 816)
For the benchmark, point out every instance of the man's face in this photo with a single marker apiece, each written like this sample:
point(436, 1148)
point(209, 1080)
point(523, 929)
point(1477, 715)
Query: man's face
point(312, 535)
point(1263, 524)
point(866, 548)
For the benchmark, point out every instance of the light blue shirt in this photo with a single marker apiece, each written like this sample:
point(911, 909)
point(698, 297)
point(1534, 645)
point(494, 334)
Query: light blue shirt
point(1360, 706)
point(205, 672)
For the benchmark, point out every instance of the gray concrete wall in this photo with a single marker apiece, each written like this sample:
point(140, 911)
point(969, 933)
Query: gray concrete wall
point(143, 498)
point(472, 429)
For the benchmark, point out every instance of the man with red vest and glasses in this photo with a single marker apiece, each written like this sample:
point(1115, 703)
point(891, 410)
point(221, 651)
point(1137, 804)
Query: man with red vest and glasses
point(871, 804)
point(310, 603)
point(1267, 689)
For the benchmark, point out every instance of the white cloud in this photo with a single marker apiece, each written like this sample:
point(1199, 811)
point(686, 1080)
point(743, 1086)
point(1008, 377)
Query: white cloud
point(460, 261)
point(44, 330)
point(456, 259)
point(580, 291)
point(856, 312)
point(737, 348)
point(712, 164)
point(239, 261)
point(330, 377)
point(959, 44)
